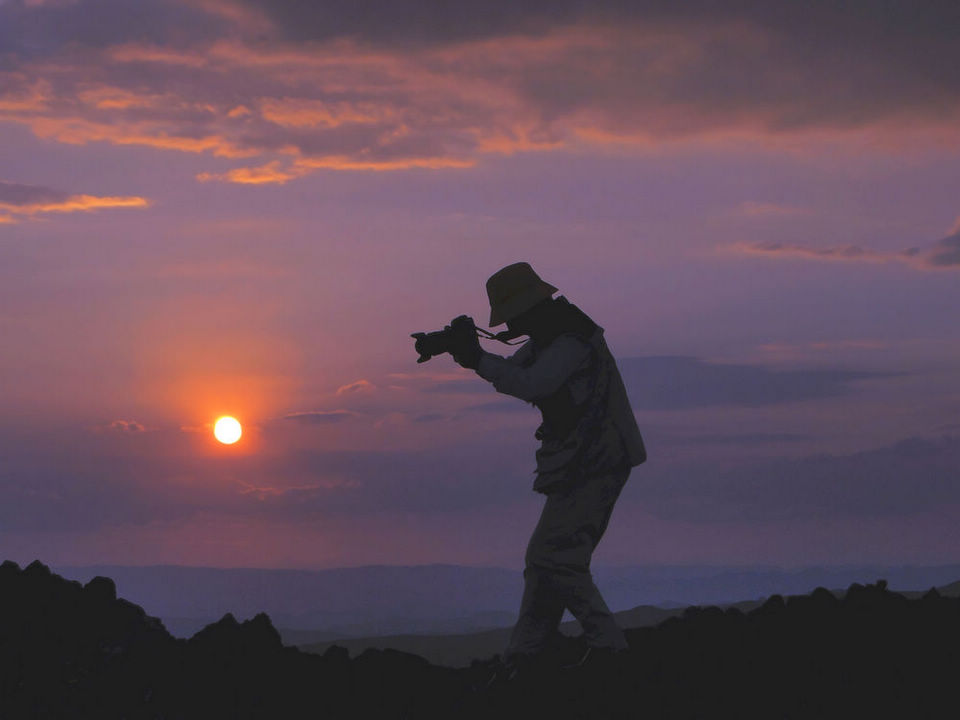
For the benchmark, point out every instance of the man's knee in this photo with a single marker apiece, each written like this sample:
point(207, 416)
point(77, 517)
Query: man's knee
point(545, 560)
point(538, 555)
point(537, 572)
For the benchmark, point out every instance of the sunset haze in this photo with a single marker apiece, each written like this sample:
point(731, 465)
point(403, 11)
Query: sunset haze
point(245, 207)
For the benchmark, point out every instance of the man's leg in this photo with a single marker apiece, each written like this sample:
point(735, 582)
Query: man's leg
point(540, 612)
point(557, 572)
point(542, 606)
point(592, 505)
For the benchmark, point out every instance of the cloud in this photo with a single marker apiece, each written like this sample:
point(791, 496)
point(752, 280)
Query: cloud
point(914, 475)
point(941, 255)
point(123, 426)
point(429, 417)
point(946, 253)
point(269, 174)
point(850, 253)
point(295, 88)
point(320, 417)
point(29, 200)
point(358, 387)
point(685, 383)
point(457, 386)
point(753, 208)
point(17, 195)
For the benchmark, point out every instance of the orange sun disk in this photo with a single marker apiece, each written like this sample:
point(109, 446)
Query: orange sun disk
point(227, 430)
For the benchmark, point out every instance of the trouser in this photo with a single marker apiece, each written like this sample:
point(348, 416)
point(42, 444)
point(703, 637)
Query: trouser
point(557, 573)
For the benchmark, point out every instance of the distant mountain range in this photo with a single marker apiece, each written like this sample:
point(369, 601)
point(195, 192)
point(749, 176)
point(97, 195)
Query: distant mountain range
point(77, 650)
point(314, 606)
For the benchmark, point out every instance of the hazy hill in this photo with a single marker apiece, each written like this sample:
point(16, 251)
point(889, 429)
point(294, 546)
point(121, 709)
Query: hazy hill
point(458, 650)
point(313, 606)
point(72, 650)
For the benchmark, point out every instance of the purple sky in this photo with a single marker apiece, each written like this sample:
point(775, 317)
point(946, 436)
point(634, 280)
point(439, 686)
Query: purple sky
point(245, 207)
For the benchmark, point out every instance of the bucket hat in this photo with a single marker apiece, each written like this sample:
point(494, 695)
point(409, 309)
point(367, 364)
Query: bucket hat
point(514, 290)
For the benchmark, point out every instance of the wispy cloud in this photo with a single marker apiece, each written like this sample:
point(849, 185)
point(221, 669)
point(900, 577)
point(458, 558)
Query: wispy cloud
point(320, 417)
point(358, 387)
point(21, 201)
point(799, 351)
point(945, 254)
point(752, 208)
point(122, 426)
point(684, 383)
point(941, 255)
point(845, 253)
point(429, 417)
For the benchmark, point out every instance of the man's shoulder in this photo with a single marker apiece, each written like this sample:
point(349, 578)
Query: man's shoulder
point(521, 355)
point(576, 342)
point(568, 349)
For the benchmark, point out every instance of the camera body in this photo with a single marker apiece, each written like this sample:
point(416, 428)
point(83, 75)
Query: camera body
point(435, 343)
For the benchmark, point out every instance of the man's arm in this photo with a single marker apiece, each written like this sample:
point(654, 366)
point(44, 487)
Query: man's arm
point(547, 373)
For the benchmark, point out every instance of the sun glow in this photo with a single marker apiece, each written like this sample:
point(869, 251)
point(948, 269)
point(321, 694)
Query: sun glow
point(227, 430)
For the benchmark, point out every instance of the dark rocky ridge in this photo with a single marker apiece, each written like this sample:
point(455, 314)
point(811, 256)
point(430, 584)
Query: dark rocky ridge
point(72, 650)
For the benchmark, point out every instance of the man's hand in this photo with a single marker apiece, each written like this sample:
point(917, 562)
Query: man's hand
point(466, 346)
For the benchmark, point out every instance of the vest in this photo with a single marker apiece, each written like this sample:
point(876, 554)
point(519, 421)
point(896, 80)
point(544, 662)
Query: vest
point(597, 434)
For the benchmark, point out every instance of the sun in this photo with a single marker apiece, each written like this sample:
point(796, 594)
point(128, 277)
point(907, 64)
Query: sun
point(227, 430)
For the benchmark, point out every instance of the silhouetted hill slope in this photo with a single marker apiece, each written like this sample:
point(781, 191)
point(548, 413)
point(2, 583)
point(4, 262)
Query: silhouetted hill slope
point(459, 649)
point(953, 589)
point(69, 650)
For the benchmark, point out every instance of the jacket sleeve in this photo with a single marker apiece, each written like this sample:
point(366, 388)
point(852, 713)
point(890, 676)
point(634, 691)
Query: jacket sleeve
point(544, 376)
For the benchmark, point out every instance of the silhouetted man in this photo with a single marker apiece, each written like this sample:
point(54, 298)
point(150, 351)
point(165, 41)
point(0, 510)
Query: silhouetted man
point(589, 442)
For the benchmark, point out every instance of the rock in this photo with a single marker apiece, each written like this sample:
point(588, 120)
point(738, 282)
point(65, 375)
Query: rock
point(101, 589)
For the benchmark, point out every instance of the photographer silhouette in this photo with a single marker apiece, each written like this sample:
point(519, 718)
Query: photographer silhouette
point(589, 443)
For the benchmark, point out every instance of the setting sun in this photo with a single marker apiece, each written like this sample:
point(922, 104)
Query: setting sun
point(227, 430)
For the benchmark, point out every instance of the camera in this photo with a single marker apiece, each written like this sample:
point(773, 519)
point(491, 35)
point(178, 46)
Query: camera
point(431, 344)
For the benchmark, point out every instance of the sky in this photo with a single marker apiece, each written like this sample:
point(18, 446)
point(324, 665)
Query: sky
point(246, 207)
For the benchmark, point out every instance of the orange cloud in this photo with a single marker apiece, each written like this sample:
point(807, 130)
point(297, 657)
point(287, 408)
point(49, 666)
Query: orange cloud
point(303, 112)
point(339, 103)
point(343, 162)
point(23, 94)
point(112, 98)
point(79, 131)
point(75, 203)
point(271, 173)
point(153, 54)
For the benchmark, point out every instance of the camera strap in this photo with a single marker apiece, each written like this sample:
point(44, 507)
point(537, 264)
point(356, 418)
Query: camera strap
point(503, 337)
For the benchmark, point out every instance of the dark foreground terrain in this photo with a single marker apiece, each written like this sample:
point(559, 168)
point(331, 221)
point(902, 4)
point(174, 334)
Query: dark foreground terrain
point(76, 651)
